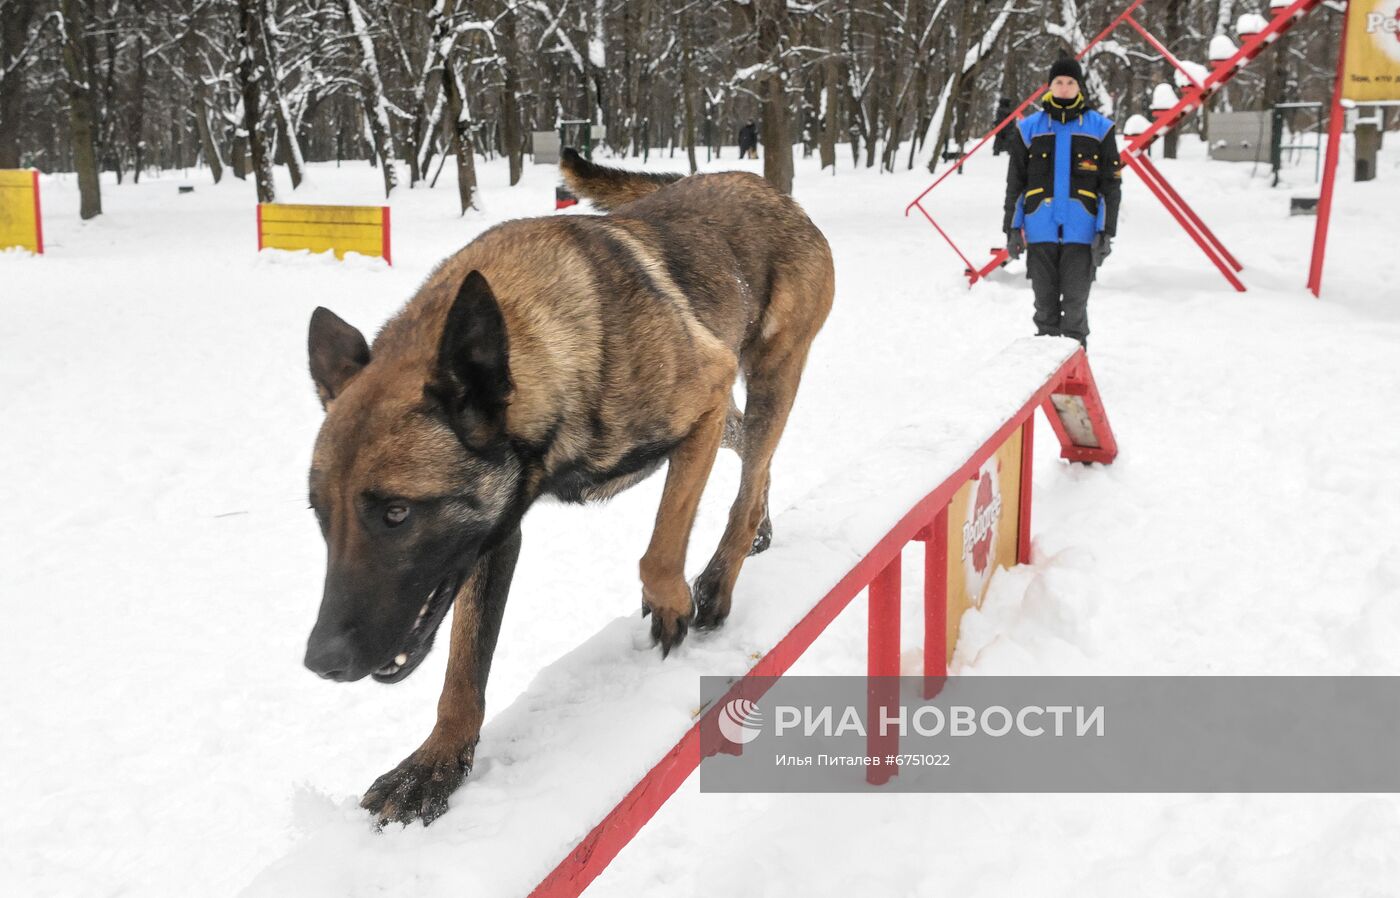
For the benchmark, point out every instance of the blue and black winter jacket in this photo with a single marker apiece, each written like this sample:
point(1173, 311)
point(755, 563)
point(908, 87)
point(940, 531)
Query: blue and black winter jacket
point(1064, 182)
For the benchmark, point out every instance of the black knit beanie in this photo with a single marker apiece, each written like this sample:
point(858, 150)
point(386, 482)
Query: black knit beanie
point(1066, 65)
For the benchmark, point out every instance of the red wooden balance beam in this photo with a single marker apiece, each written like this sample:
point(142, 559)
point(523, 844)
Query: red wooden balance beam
point(570, 771)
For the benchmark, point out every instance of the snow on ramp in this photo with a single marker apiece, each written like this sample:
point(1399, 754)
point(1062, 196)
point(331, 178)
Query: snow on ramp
point(592, 724)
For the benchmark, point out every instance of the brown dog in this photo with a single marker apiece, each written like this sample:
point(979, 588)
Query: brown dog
point(568, 356)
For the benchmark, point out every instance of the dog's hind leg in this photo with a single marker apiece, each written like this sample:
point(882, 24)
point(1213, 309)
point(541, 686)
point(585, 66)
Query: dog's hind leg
point(765, 415)
point(771, 377)
point(419, 787)
point(763, 537)
point(734, 439)
point(734, 428)
point(664, 590)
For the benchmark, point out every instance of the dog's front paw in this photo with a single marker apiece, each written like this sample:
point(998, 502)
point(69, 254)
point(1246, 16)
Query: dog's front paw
point(667, 600)
point(668, 628)
point(417, 789)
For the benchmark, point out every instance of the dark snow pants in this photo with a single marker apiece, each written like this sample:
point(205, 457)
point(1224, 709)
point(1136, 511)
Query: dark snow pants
point(1061, 274)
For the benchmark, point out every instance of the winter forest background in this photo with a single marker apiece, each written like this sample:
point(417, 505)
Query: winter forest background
point(127, 86)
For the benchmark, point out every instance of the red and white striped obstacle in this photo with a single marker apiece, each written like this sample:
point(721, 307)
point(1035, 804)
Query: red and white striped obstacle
point(569, 772)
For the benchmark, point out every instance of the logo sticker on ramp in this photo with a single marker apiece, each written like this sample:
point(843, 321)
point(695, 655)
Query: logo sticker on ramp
point(741, 721)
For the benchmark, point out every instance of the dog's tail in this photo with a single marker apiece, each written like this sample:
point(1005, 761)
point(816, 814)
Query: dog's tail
point(606, 187)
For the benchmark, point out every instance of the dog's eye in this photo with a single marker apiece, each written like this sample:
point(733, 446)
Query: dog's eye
point(395, 515)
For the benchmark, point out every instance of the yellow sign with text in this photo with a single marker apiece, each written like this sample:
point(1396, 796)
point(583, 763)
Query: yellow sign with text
point(1372, 73)
point(984, 525)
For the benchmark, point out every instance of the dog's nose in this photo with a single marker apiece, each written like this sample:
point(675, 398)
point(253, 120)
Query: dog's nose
point(331, 657)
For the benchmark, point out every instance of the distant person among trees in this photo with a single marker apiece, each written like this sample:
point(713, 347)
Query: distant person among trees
point(1002, 142)
point(748, 141)
point(1063, 186)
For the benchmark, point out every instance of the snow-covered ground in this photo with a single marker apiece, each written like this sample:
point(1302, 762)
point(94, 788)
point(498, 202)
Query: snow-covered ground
point(160, 571)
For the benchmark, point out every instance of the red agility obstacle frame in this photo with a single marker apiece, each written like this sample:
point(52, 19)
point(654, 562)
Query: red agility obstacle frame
point(1071, 403)
point(1134, 153)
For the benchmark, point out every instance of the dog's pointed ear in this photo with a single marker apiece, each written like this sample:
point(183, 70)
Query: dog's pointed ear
point(473, 381)
point(338, 352)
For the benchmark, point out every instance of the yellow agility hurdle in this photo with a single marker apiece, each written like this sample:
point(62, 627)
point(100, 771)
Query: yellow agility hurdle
point(20, 221)
point(341, 229)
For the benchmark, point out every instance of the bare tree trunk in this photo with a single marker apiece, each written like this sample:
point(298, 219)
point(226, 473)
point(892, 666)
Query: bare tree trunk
point(777, 134)
point(634, 33)
point(920, 89)
point(1224, 21)
point(1010, 72)
point(595, 60)
point(880, 70)
point(372, 96)
point(199, 103)
point(963, 77)
point(898, 52)
point(873, 129)
point(1276, 78)
point(855, 102)
point(286, 129)
point(14, 27)
point(206, 137)
point(251, 68)
point(136, 122)
point(459, 124)
point(82, 112)
point(511, 136)
point(1175, 30)
point(105, 112)
point(953, 90)
point(427, 122)
point(239, 157)
point(831, 87)
point(688, 86)
point(642, 108)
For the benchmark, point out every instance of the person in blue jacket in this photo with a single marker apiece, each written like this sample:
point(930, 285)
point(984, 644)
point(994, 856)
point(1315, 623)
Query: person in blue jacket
point(1063, 186)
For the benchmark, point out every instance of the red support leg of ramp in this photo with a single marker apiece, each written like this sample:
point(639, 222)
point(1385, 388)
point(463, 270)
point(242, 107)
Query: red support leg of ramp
point(936, 604)
point(1076, 414)
point(1165, 199)
point(883, 688)
point(1146, 162)
point(1023, 533)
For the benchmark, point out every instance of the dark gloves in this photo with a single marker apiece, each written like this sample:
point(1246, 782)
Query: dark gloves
point(1015, 243)
point(1103, 245)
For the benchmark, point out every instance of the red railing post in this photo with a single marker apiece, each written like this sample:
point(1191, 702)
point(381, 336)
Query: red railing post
point(1023, 521)
point(1329, 167)
point(38, 217)
point(936, 605)
point(385, 248)
point(882, 691)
